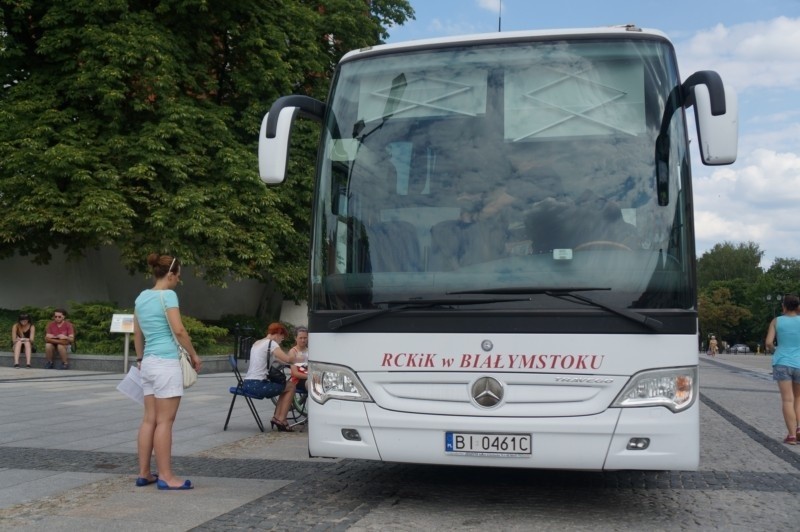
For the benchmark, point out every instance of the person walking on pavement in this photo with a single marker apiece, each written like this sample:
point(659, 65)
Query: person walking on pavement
point(786, 363)
point(713, 346)
point(157, 326)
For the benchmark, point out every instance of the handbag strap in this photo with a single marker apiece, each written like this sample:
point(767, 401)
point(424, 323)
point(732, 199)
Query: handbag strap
point(269, 354)
point(164, 306)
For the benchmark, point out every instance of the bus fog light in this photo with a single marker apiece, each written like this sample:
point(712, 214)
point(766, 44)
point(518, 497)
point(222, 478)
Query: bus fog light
point(637, 444)
point(351, 435)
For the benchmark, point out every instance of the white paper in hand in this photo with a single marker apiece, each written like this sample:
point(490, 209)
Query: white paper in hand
point(131, 385)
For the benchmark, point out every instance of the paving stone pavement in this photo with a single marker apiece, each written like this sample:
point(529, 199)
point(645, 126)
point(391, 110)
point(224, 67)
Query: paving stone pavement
point(68, 462)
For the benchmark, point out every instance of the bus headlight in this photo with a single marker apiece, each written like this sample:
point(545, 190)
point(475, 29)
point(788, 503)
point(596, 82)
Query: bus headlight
point(674, 388)
point(329, 381)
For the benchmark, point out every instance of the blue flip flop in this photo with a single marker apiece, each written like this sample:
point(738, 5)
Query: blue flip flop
point(141, 481)
point(187, 485)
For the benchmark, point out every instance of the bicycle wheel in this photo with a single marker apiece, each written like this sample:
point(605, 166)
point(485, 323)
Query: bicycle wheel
point(300, 407)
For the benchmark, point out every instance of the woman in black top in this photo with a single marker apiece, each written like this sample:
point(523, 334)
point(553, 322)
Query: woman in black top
point(22, 334)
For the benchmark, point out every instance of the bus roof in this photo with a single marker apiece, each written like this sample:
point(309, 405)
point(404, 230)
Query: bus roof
point(499, 37)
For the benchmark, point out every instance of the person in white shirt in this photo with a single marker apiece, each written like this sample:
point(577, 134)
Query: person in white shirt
point(299, 369)
point(264, 354)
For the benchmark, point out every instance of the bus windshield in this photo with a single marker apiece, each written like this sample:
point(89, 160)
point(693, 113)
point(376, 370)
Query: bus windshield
point(504, 167)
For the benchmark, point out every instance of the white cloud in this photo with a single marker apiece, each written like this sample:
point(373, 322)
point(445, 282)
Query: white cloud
point(489, 5)
point(778, 118)
point(757, 200)
point(448, 27)
point(752, 55)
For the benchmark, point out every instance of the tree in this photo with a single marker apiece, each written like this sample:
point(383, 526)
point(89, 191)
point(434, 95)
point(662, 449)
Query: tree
point(726, 262)
point(133, 123)
point(718, 314)
point(786, 274)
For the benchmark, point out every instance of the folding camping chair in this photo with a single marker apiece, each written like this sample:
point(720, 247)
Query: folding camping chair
point(239, 390)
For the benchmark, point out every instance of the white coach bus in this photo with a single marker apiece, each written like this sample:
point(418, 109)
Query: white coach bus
point(503, 254)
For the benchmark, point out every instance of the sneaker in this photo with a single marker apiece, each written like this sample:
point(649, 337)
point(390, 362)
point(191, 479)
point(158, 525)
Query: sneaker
point(28, 366)
point(65, 366)
point(48, 365)
point(16, 366)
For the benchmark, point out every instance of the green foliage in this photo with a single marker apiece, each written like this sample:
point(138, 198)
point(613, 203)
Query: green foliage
point(203, 336)
point(726, 262)
point(719, 315)
point(731, 282)
point(251, 325)
point(92, 323)
point(134, 124)
point(786, 274)
point(233, 321)
point(7, 320)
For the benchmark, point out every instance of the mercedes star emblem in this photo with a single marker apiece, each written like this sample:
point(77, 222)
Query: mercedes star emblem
point(487, 392)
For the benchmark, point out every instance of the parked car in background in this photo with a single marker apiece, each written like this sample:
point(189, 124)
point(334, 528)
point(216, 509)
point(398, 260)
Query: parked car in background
point(739, 348)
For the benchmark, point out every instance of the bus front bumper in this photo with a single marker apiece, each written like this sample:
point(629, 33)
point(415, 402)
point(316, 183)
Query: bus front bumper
point(346, 429)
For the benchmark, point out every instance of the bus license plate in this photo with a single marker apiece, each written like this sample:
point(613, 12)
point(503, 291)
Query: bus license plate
point(477, 444)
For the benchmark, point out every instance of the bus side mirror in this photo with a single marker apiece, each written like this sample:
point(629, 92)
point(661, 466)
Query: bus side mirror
point(273, 153)
point(718, 136)
point(273, 139)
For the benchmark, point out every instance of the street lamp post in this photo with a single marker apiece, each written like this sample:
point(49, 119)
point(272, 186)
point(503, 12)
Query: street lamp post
point(778, 298)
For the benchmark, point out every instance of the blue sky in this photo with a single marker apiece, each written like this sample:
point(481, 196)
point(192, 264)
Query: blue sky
point(755, 47)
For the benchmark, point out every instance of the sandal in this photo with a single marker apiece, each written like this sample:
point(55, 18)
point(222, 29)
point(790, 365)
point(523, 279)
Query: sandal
point(144, 481)
point(281, 426)
point(790, 440)
point(162, 485)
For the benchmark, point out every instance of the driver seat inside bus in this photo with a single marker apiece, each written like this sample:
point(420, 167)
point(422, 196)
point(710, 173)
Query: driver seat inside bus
point(383, 245)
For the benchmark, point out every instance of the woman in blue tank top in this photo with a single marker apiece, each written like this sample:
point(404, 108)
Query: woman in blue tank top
point(786, 363)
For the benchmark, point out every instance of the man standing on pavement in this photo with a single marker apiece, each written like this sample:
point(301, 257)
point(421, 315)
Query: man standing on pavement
point(59, 335)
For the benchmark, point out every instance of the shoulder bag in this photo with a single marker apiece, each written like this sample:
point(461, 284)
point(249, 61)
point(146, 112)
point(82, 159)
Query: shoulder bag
point(188, 371)
point(274, 374)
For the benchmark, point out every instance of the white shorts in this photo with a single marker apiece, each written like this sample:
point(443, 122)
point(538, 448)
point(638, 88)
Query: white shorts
point(162, 377)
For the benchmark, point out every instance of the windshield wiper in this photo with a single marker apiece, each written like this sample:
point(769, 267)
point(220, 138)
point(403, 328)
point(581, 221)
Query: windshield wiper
point(405, 304)
point(567, 293)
